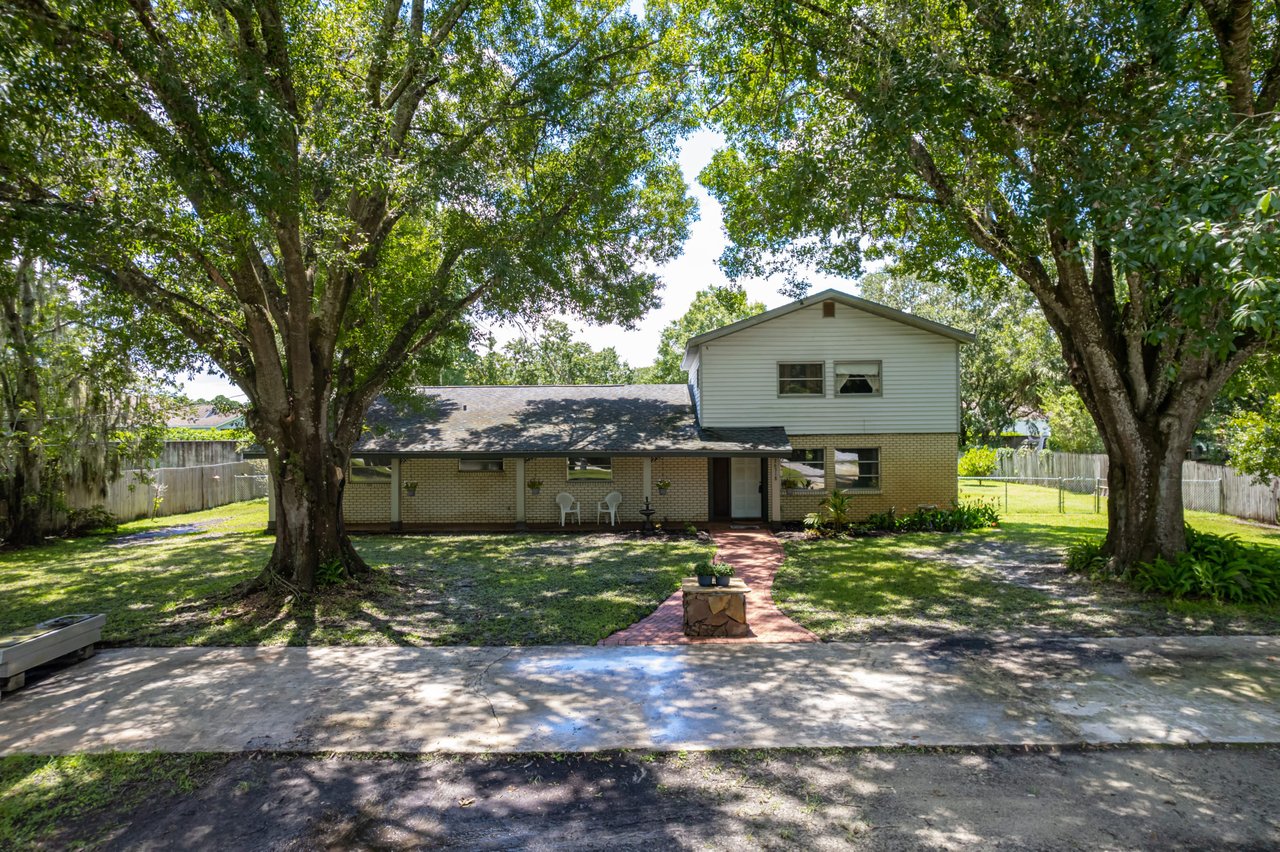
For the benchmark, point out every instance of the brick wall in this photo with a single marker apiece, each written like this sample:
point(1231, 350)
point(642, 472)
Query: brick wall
point(366, 502)
point(686, 500)
point(448, 495)
point(915, 469)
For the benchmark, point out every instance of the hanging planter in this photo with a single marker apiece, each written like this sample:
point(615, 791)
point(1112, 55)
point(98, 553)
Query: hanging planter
point(663, 485)
point(535, 486)
point(411, 488)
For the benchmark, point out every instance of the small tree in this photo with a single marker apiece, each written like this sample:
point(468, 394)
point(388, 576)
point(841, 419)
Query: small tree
point(978, 461)
point(711, 308)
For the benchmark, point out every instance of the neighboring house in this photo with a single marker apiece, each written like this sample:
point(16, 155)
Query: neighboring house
point(205, 417)
point(829, 392)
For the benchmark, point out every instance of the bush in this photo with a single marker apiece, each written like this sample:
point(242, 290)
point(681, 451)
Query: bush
point(833, 515)
point(1220, 568)
point(972, 514)
point(978, 461)
point(95, 520)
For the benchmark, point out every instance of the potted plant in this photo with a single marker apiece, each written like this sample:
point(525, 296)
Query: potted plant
point(705, 572)
point(535, 485)
point(411, 488)
point(723, 573)
point(663, 485)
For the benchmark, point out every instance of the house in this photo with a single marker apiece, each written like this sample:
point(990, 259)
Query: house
point(205, 416)
point(828, 392)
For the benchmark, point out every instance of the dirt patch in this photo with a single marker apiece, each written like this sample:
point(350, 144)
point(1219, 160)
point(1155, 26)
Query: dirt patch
point(1122, 798)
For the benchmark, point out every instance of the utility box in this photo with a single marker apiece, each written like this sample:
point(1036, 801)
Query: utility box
point(65, 636)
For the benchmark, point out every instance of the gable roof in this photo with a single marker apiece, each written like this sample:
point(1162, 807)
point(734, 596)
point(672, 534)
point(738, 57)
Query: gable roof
point(839, 297)
point(204, 417)
point(547, 420)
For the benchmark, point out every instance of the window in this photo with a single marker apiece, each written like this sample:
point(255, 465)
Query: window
point(854, 378)
point(801, 379)
point(858, 470)
point(805, 470)
point(590, 467)
point(364, 470)
point(480, 465)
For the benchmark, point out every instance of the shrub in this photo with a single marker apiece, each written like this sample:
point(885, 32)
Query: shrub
point(1220, 568)
point(978, 461)
point(95, 520)
point(721, 569)
point(705, 568)
point(833, 515)
point(1085, 557)
point(966, 515)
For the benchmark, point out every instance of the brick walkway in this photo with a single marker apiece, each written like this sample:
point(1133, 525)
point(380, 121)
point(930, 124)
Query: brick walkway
point(755, 555)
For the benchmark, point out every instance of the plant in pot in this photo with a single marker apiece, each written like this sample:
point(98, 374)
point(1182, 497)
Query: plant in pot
point(411, 488)
point(663, 485)
point(705, 572)
point(723, 573)
point(535, 485)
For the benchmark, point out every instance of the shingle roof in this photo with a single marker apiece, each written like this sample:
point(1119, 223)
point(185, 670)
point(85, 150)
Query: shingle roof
point(554, 420)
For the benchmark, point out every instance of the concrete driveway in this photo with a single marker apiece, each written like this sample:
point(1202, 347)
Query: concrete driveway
point(952, 692)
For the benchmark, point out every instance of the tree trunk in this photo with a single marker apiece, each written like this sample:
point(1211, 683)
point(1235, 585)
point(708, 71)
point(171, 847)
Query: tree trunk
point(1144, 484)
point(308, 473)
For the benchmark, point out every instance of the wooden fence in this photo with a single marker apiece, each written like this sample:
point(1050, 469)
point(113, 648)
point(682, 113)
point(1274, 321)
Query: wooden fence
point(182, 489)
point(1205, 487)
point(197, 453)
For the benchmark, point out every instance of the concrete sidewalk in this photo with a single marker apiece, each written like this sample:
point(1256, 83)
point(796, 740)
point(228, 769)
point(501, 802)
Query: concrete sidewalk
point(958, 692)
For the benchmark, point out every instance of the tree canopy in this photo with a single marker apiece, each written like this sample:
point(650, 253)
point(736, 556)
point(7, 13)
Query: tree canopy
point(549, 356)
point(317, 193)
point(1120, 159)
point(1012, 365)
point(711, 308)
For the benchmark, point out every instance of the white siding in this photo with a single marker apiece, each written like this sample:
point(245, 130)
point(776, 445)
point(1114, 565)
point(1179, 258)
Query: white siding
point(920, 375)
point(693, 387)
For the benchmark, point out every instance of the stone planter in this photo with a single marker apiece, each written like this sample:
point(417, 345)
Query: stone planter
point(47, 641)
point(716, 610)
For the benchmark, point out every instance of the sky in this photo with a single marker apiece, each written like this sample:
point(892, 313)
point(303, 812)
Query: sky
point(694, 270)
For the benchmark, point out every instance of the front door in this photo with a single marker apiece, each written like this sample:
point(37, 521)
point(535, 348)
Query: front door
point(745, 488)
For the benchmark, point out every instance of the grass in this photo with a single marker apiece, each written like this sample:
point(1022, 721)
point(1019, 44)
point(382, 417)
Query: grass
point(1005, 580)
point(70, 801)
point(522, 589)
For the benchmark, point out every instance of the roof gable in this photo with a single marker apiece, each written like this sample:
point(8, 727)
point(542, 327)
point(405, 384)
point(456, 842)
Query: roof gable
point(839, 297)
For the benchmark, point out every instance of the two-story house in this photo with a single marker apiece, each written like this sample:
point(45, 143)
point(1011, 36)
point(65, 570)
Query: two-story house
point(828, 392)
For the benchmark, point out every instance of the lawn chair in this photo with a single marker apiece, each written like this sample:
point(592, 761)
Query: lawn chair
point(609, 506)
point(568, 506)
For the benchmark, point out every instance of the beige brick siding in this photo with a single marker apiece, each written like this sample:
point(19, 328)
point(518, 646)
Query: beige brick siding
point(366, 502)
point(446, 495)
point(686, 500)
point(915, 469)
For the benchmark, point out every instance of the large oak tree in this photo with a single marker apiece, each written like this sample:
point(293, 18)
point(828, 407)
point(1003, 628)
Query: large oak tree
point(1120, 158)
point(316, 193)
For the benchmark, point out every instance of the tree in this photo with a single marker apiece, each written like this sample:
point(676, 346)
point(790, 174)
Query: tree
point(317, 193)
point(1248, 416)
point(74, 410)
point(550, 357)
point(1118, 158)
point(1011, 365)
point(1071, 429)
point(711, 308)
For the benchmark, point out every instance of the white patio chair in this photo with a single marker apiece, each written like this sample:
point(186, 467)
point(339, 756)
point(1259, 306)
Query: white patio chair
point(568, 506)
point(609, 506)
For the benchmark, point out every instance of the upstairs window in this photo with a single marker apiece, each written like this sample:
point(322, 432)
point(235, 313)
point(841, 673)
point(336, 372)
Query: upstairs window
point(805, 470)
point(590, 467)
point(858, 469)
point(480, 465)
point(804, 379)
point(858, 378)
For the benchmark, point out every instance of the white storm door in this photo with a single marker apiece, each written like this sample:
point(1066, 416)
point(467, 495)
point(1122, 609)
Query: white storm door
point(744, 485)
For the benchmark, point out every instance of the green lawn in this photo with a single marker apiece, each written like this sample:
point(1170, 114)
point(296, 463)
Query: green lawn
point(73, 801)
point(523, 589)
point(1007, 580)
